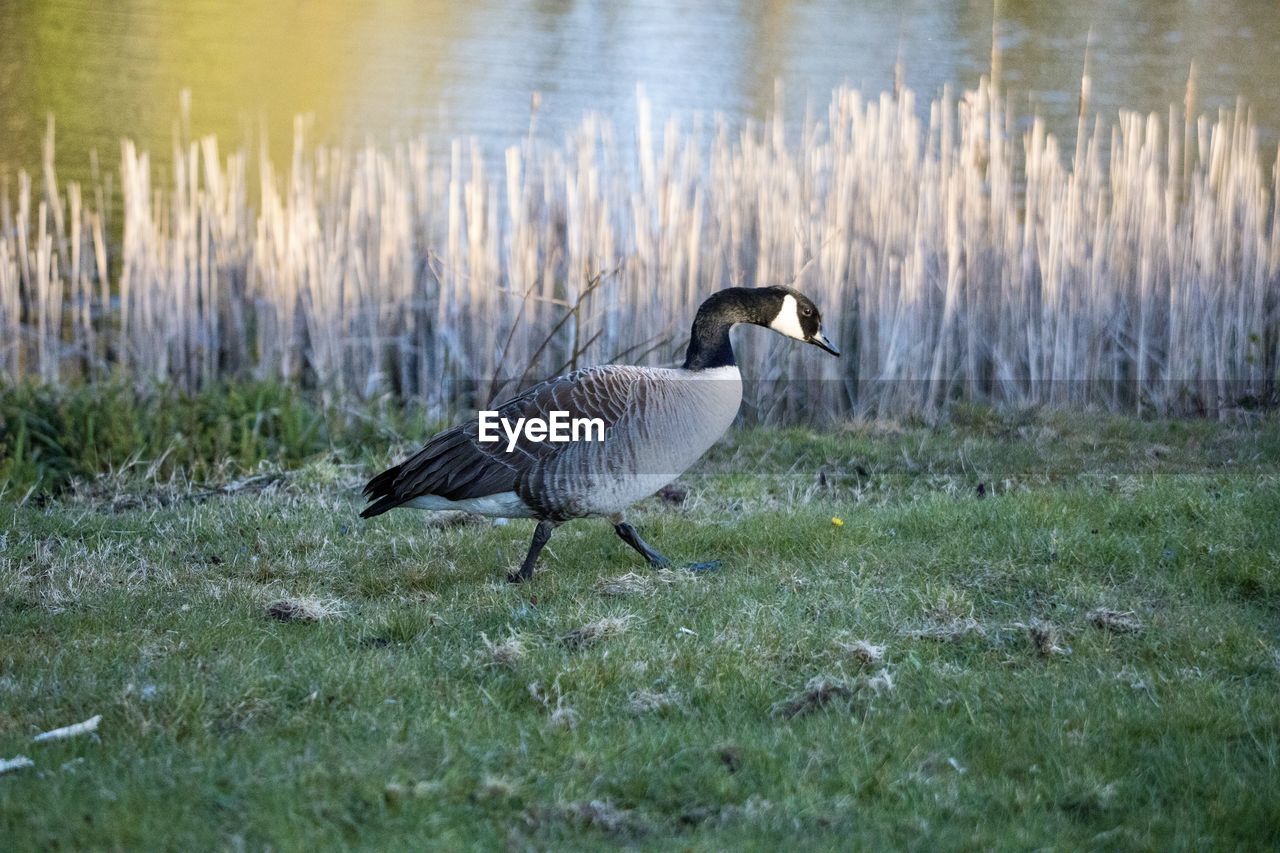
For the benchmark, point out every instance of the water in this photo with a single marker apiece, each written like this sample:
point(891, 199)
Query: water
point(384, 70)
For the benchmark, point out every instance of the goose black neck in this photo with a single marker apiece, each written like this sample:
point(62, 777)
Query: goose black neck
point(709, 344)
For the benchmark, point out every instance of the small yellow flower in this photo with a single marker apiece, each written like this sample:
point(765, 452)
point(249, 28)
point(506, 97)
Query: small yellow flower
point(837, 521)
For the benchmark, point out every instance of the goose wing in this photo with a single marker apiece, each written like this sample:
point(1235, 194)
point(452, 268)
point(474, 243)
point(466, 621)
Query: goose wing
point(457, 465)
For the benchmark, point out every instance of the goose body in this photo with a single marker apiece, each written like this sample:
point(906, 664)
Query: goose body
point(657, 423)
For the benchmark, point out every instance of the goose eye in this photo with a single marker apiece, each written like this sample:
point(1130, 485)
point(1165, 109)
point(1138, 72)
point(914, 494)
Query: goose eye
point(806, 311)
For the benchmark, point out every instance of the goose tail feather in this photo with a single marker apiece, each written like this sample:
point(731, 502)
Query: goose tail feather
point(382, 493)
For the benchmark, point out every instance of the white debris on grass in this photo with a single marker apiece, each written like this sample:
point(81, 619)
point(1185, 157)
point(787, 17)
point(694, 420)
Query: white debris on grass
point(18, 762)
point(87, 727)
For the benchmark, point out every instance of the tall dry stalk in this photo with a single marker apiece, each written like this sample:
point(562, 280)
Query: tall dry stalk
point(954, 257)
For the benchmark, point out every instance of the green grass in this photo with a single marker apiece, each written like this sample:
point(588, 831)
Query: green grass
point(50, 436)
point(411, 719)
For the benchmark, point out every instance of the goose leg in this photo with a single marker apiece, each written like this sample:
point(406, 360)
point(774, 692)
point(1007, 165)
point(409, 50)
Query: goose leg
point(541, 534)
point(629, 535)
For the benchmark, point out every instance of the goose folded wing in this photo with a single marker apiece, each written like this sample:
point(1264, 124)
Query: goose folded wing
point(457, 465)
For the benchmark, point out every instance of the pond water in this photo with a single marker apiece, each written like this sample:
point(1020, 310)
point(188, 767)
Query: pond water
point(383, 70)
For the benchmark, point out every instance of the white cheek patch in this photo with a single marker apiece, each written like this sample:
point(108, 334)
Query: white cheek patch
point(788, 320)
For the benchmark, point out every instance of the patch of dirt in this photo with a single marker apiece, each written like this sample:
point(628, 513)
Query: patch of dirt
point(672, 494)
point(1046, 639)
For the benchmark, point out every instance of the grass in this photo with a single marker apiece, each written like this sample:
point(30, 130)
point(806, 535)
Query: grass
point(52, 437)
point(409, 693)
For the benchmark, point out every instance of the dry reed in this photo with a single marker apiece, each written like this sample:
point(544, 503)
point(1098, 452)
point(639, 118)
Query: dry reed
point(953, 259)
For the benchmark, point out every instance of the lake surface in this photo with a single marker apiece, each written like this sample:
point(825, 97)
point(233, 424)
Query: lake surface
point(385, 70)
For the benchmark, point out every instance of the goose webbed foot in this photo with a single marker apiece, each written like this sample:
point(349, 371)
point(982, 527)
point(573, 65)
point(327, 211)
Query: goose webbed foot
point(629, 535)
point(541, 534)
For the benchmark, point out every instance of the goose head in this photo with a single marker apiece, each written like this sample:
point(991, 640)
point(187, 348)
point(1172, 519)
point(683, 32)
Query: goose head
point(789, 312)
point(785, 310)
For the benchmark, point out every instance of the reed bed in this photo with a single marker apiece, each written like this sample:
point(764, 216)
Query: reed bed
point(962, 257)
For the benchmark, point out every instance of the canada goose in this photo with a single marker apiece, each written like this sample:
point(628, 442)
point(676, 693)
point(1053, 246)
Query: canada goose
point(657, 422)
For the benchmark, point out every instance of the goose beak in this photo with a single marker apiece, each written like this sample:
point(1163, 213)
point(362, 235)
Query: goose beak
point(821, 341)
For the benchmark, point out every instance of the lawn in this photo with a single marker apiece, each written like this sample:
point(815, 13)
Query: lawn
point(1086, 654)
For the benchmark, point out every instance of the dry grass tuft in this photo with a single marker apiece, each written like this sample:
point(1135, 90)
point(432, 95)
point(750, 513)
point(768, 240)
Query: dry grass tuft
point(752, 808)
point(634, 583)
point(1115, 621)
point(594, 632)
point(1044, 636)
point(819, 692)
point(650, 701)
point(937, 763)
point(823, 690)
point(1090, 803)
point(398, 791)
point(949, 631)
point(602, 815)
point(631, 583)
point(495, 788)
point(507, 653)
point(862, 651)
point(306, 609)
point(563, 717)
point(560, 715)
point(880, 683)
